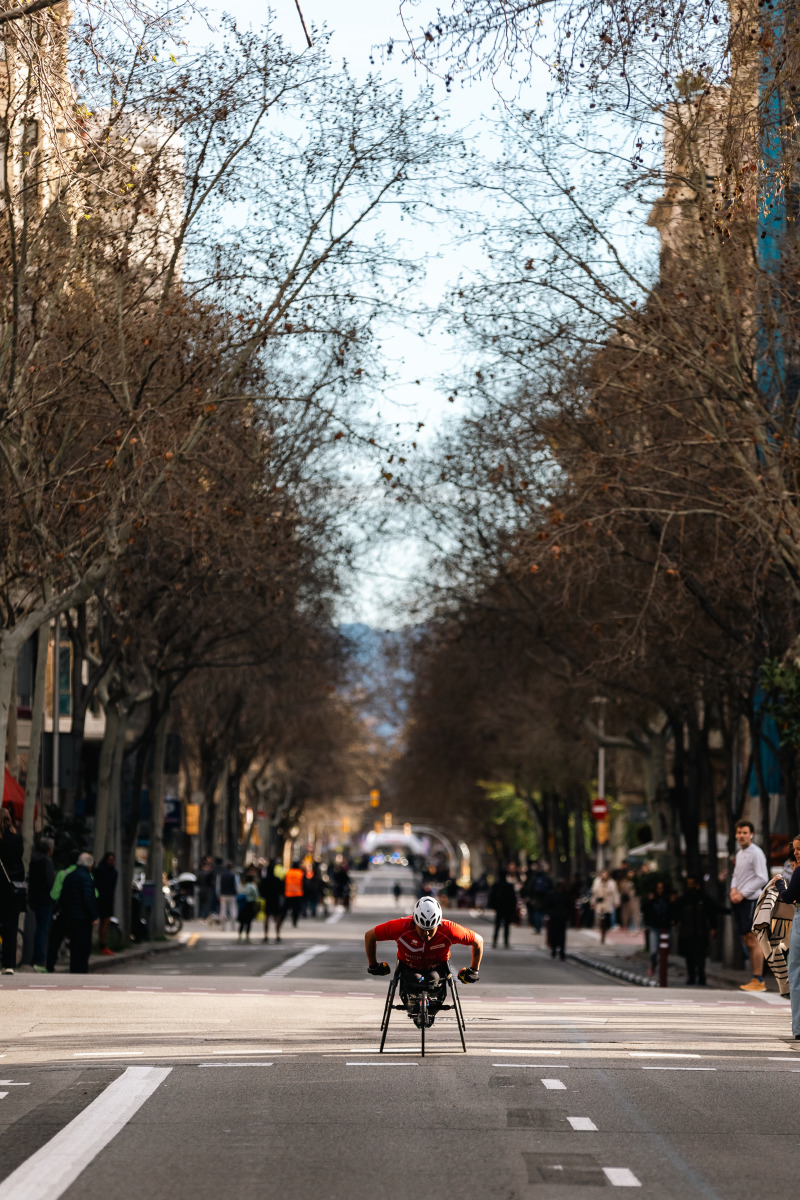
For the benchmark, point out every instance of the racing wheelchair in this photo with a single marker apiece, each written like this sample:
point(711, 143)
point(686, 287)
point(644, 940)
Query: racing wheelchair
point(421, 1002)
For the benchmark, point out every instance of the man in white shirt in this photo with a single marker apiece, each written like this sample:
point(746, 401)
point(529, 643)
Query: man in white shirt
point(605, 901)
point(750, 877)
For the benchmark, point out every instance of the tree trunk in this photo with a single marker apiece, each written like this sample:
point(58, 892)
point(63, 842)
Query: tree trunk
point(109, 758)
point(156, 856)
point(37, 725)
point(232, 803)
point(8, 664)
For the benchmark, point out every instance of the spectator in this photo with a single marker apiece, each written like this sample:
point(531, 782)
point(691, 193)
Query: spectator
point(58, 927)
point(342, 887)
point(657, 915)
point(750, 877)
point(79, 909)
point(11, 871)
point(695, 915)
point(41, 877)
point(294, 891)
point(227, 890)
point(271, 889)
point(105, 882)
point(247, 902)
point(561, 909)
point(397, 892)
point(205, 888)
point(503, 899)
point(314, 887)
point(630, 909)
point(790, 894)
point(605, 901)
point(536, 893)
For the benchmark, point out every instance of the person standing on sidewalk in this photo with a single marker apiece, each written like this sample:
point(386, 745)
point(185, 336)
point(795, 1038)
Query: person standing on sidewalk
point(227, 890)
point(11, 871)
point(560, 909)
point(790, 894)
point(503, 899)
point(105, 880)
point(41, 877)
point(294, 887)
point(695, 914)
point(750, 877)
point(657, 916)
point(605, 901)
point(80, 912)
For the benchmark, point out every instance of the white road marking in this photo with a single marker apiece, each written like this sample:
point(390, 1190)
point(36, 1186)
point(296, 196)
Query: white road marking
point(296, 961)
point(771, 998)
point(48, 1173)
point(584, 1124)
point(236, 1064)
point(109, 1054)
point(679, 1068)
point(10, 1083)
point(362, 1064)
point(514, 1050)
point(554, 1085)
point(659, 1054)
point(781, 1059)
point(335, 916)
point(231, 1053)
point(621, 1177)
point(532, 1066)
point(3, 1095)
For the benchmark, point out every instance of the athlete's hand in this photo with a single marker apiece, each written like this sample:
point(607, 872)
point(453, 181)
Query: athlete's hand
point(468, 975)
point(381, 968)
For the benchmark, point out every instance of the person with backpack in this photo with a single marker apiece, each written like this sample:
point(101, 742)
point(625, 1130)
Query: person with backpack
point(247, 903)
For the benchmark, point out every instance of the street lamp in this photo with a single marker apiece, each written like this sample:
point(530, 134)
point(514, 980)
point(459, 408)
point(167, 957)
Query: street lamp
point(601, 702)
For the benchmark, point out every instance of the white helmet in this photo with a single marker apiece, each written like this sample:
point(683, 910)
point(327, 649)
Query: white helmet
point(427, 913)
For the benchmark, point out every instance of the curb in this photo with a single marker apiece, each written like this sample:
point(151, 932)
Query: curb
point(606, 969)
point(106, 963)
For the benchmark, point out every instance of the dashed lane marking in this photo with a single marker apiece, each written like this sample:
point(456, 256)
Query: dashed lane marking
point(108, 1054)
point(583, 1124)
point(621, 1177)
point(679, 1068)
point(296, 961)
point(231, 1053)
point(659, 1054)
point(366, 1064)
point(235, 1064)
point(554, 1085)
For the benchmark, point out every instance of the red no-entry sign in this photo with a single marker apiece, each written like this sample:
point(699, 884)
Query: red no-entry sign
point(599, 809)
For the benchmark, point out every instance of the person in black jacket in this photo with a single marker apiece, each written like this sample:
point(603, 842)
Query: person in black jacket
point(695, 914)
point(560, 909)
point(503, 899)
point(105, 881)
point(41, 877)
point(79, 909)
point(12, 872)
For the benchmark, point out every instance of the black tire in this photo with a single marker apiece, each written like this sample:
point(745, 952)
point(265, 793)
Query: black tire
point(173, 922)
point(114, 937)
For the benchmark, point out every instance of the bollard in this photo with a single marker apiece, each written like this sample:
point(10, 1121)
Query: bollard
point(663, 957)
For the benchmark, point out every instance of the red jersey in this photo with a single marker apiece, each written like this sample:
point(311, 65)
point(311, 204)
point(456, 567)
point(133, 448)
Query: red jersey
point(416, 952)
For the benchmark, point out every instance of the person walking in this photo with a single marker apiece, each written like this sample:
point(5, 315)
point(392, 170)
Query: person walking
point(560, 908)
point(695, 914)
point(397, 892)
point(750, 877)
point(503, 899)
point(247, 902)
point(657, 916)
point(41, 877)
point(11, 871)
point(79, 908)
point(58, 927)
point(536, 892)
point(105, 881)
point(790, 894)
point(227, 890)
point(294, 890)
point(271, 889)
point(605, 901)
point(314, 887)
point(205, 888)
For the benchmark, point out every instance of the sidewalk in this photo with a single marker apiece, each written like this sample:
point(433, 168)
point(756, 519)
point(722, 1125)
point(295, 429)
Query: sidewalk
point(625, 957)
point(105, 962)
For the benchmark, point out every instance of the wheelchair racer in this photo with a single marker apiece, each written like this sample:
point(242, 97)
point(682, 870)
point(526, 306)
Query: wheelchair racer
point(423, 951)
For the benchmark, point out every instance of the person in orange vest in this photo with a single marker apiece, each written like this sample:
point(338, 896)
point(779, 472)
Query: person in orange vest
point(294, 891)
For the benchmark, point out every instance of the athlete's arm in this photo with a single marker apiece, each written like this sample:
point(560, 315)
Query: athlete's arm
point(370, 945)
point(477, 952)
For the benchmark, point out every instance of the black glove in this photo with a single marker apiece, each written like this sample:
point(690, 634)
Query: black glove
point(381, 968)
point(468, 975)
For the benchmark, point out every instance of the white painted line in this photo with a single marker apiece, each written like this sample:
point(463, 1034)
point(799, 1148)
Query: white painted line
point(659, 1054)
point(679, 1068)
point(771, 998)
point(232, 1053)
point(10, 1083)
point(515, 1050)
point(109, 1054)
point(621, 1177)
point(236, 1064)
point(296, 961)
point(365, 995)
point(554, 1085)
point(584, 1124)
point(532, 1066)
point(367, 1064)
point(3, 1095)
point(48, 1173)
point(335, 916)
point(781, 1059)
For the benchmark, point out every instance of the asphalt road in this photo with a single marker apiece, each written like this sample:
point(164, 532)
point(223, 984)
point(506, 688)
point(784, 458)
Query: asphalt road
point(248, 1071)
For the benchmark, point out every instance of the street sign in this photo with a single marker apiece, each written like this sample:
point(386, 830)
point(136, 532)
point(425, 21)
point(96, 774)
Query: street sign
point(599, 809)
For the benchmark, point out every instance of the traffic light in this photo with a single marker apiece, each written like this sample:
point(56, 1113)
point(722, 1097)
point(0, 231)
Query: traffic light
point(387, 820)
point(407, 829)
point(602, 828)
point(374, 798)
point(345, 824)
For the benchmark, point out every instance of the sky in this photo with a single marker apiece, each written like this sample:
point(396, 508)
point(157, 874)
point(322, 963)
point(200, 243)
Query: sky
point(359, 28)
